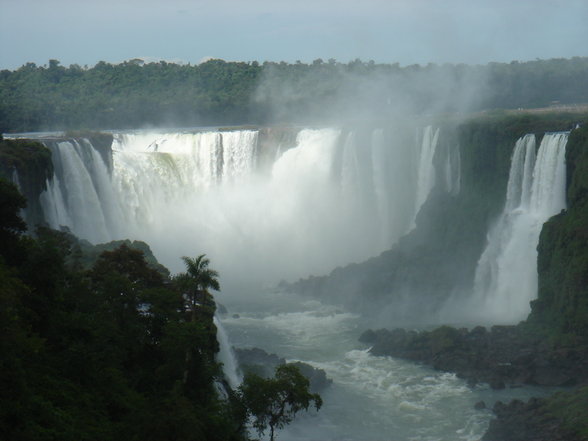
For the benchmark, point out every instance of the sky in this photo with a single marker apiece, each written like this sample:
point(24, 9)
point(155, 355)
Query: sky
point(407, 32)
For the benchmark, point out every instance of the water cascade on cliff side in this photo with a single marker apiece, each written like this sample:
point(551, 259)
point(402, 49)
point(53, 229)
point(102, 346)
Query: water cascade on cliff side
point(226, 356)
point(506, 276)
point(334, 197)
point(426, 171)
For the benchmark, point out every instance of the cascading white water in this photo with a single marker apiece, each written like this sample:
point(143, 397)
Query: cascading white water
point(506, 276)
point(80, 197)
point(380, 168)
point(452, 172)
point(327, 202)
point(426, 170)
point(226, 356)
point(15, 179)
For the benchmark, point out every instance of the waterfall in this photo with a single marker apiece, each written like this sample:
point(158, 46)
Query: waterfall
point(380, 168)
point(226, 356)
point(426, 170)
point(506, 275)
point(335, 197)
point(78, 197)
point(238, 154)
point(452, 171)
point(16, 180)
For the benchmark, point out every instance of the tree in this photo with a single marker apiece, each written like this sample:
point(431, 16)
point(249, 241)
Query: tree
point(274, 402)
point(194, 285)
point(196, 282)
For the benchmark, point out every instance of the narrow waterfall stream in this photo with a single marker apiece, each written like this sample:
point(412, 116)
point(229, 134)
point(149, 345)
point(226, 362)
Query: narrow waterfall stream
point(506, 277)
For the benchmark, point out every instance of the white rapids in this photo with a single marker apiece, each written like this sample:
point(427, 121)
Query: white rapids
point(371, 398)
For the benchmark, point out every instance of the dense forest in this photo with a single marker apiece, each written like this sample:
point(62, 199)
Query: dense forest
point(135, 94)
point(100, 342)
point(101, 346)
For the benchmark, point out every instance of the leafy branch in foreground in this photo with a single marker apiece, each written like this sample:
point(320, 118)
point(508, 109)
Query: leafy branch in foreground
point(274, 402)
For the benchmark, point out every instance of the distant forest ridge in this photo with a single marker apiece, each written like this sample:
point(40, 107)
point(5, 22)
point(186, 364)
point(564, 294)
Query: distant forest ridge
point(136, 94)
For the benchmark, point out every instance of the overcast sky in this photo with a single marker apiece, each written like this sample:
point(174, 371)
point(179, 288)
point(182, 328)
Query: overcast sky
point(404, 31)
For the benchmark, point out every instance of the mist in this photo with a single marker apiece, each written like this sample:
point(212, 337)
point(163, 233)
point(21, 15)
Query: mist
point(368, 93)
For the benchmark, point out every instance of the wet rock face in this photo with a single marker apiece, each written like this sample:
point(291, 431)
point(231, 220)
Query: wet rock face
point(28, 165)
point(502, 356)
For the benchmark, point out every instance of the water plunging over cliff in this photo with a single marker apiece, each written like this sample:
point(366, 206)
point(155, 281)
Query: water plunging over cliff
point(506, 277)
point(227, 357)
point(333, 197)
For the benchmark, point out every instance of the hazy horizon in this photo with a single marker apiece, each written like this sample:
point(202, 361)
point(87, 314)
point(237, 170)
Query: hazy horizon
point(182, 31)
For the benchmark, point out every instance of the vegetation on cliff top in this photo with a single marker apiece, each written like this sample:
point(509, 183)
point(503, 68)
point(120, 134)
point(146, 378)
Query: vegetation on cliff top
point(136, 94)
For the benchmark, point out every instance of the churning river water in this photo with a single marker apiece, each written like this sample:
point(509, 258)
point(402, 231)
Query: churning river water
point(371, 397)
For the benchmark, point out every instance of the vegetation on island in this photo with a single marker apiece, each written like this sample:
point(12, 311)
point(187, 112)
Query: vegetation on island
point(135, 94)
point(108, 347)
point(274, 402)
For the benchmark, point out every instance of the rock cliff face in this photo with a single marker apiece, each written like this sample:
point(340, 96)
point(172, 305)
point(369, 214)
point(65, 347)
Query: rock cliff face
point(27, 164)
point(504, 356)
point(438, 258)
point(550, 348)
point(519, 421)
point(562, 304)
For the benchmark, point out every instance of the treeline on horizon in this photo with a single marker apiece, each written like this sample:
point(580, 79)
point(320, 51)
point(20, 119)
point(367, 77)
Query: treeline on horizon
point(136, 94)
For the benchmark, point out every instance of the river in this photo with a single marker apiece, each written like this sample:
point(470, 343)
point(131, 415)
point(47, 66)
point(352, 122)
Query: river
point(371, 398)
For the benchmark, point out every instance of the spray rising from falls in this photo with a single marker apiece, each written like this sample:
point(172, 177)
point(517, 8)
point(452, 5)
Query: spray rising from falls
point(329, 198)
point(506, 277)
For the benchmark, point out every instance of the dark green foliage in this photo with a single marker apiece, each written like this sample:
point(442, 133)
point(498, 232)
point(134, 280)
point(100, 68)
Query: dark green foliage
point(90, 253)
point(274, 402)
point(11, 202)
point(136, 94)
point(562, 305)
point(100, 354)
point(571, 409)
point(29, 162)
point(195, 283)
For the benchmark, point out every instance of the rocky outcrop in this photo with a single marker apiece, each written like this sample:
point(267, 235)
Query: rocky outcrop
point(562, 303)
point(504, 356)
point(550, 348)
point(561, 417)
point(273, 141)
point(259, 362)
point(28, 165)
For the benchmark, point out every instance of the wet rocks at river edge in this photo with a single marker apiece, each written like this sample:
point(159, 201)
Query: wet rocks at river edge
point(503, 356)
point(519, 421)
